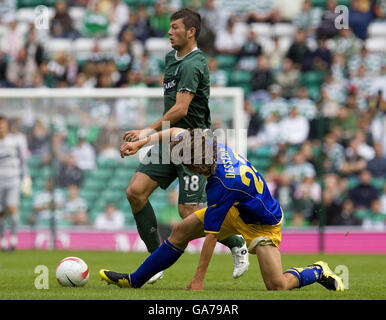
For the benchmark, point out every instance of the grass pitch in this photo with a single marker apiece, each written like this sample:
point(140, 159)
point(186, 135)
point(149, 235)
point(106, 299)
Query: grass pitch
point(367, 278)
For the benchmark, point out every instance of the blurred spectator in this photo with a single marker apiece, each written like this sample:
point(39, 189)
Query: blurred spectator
point(305, 106)
point(110, 219)
point(288, 78)
point(377, 165)
point(262, 77)
point(307, 195)
point(84, 155)
point(299, 168)
point(206, 40)
point(380, 9)
point(218, 77)
point(118, 13)
point(61, 25)
point(254, 121)
point(276, 55)
point(38, 140)
point(142, 27)
point(332, 209)
point(326, 28)
point(294, 127)
point(321, 58)
point(160, 20)
point(354, 163)
point(360, 16)
point(15, 129)
point(347, 215)
point(298, 52)
point(360, 84)
point(270, 133)
point(129, 113)
point(374, 219)
point(215, 18)
point(95, 23)
point(227, 40)
point(346, 43)
point(74, 204)
point(276, 104)
point(19, 68)
point(12, 39)
point(246, 57)
point(308, 19)
point(298, 221)
point(363, 194)
point(285, 193)
point(334, 153)
point(149, 69)
point(46, 203)
point(81, 218)
point(169, 215)
point(263, 11)
point(371, 61)
point(70, 173)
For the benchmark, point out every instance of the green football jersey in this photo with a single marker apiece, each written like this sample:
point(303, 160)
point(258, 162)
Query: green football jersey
point(190, 73)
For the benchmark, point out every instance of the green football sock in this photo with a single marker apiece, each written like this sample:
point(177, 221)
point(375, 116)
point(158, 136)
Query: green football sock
point(233, 241)
point(147, 227)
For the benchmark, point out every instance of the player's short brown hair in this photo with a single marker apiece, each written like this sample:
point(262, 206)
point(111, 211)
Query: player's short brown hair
point(190, 19)
point(203, 151)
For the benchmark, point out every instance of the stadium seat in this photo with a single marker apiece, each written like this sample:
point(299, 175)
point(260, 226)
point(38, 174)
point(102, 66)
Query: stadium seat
point(377, 29)
point(319, 3)
point(26, 15)
point(226, 61)
point(107, 163)
point(239, 78)
point(284, 30)
point(376, 44)
point(58, 45)
point(158, 46)
point(241, 28)
point(312, 78)
point(378, 183)
point(262, 29)
point(108, 44)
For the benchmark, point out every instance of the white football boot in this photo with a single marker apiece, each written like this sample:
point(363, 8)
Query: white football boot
point(240, 260)
point(156, 277)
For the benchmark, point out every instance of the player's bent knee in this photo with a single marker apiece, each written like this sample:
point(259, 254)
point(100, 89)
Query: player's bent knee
point(178, 237)
point(276, 285)
point(134, 195)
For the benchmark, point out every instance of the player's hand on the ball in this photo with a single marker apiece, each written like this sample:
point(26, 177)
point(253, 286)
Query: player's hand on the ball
point(128, 149)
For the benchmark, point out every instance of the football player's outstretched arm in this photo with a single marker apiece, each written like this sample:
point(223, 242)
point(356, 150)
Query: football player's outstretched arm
point(177, 112)
point(130, 148)
point(197, 282)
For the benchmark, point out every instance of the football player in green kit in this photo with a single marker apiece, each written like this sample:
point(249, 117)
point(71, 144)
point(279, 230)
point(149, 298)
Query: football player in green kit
point(186, 98)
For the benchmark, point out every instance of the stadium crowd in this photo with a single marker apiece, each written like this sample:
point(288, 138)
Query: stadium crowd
point(316, 106)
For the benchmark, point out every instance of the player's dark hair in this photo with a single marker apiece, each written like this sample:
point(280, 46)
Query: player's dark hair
point(203, 151)
point(190, 19)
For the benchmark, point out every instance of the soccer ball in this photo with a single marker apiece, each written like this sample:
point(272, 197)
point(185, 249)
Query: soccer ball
point(72, 272)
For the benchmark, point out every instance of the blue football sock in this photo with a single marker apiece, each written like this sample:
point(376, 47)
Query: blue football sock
point(161, 259)
point(306, 275)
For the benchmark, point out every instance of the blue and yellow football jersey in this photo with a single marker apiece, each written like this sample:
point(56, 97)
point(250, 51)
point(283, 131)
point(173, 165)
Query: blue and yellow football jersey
point(237, 183)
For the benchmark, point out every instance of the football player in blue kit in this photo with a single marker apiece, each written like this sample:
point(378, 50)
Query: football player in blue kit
point(238, 202)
